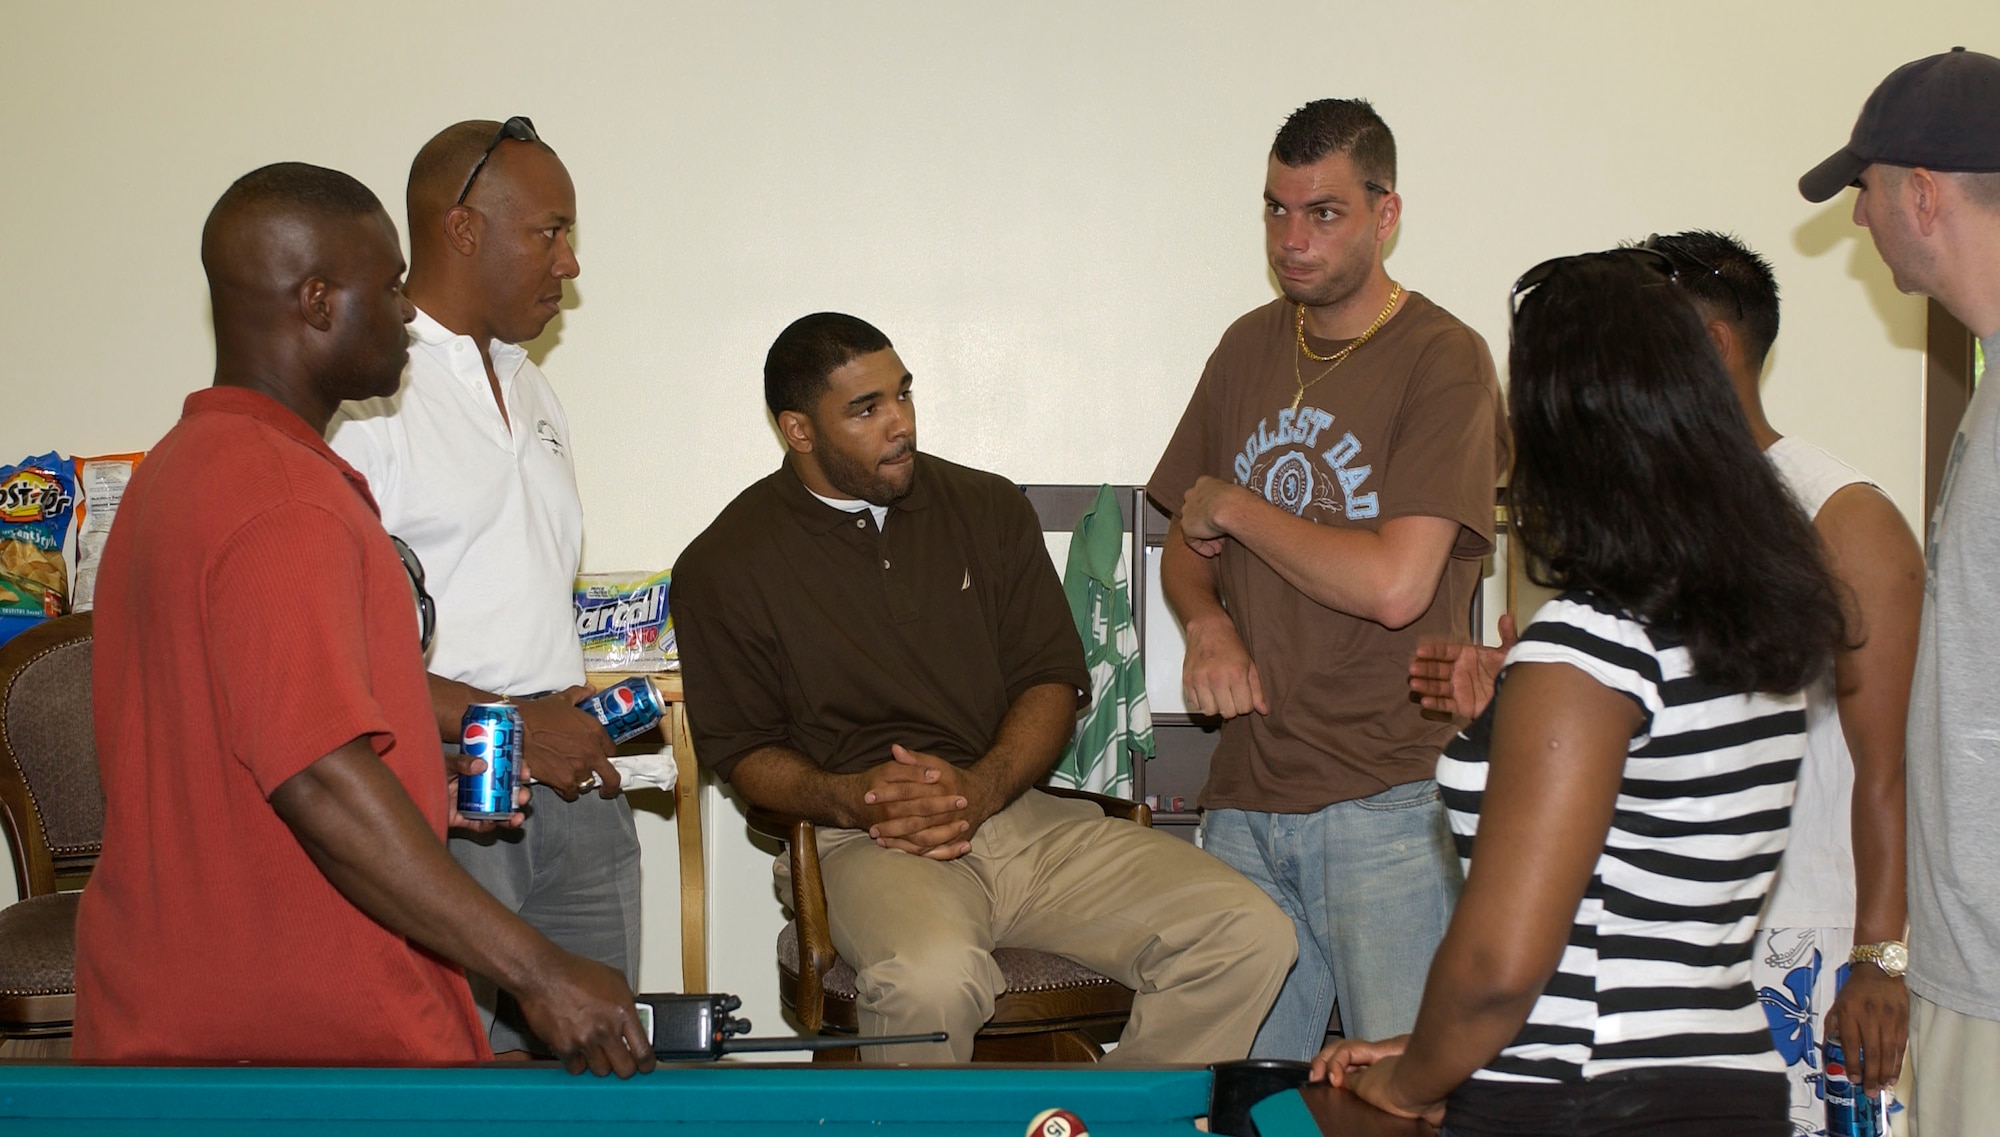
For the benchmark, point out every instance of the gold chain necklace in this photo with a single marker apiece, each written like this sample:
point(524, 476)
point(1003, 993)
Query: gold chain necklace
point(1338, 357)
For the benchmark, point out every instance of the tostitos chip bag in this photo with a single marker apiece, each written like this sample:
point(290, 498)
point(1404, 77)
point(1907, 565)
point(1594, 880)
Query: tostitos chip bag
point(37, 499)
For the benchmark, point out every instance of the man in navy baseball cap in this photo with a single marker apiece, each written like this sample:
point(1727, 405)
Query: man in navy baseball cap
point(1941, 113)
point(1925, 156)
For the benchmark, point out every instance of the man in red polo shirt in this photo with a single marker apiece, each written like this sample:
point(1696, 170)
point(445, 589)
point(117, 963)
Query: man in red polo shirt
point(274, 885)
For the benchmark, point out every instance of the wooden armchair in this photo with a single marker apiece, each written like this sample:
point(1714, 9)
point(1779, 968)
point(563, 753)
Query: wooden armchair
point(1053, 1010)
point(52, 809)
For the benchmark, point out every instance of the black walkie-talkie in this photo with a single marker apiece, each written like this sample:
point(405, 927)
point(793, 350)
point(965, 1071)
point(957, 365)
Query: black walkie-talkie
point(700, 1028)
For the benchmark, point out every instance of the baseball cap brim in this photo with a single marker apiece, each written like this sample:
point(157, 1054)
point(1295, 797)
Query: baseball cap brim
point(1833, 175)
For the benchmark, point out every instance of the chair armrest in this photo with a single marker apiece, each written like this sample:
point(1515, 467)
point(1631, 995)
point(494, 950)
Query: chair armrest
point(780, 827)
point(1133, 811)
point(816, 954)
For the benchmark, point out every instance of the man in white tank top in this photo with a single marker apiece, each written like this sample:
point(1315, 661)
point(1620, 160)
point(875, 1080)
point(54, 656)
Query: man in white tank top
point(1839, 902)
point(1830, 952)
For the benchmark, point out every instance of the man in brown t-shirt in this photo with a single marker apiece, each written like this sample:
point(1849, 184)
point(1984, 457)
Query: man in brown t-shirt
point(1332, 489)
point(875, 639)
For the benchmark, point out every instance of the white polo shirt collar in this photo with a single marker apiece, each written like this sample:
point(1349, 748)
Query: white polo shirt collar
point(460, 355)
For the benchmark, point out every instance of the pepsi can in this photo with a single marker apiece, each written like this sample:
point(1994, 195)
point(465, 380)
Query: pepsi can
point(1849, 1111)
point(491, 731)
point(628, 709)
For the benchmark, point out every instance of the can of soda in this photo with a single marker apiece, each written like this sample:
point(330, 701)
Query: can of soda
point(628, 709)
point(491, 731)
point(1849, 1111)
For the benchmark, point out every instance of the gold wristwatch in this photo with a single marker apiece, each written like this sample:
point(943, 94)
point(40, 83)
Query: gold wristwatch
point(1892, 956)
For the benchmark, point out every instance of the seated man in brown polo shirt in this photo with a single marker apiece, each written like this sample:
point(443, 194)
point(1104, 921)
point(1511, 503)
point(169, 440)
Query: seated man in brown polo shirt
point(875, 639)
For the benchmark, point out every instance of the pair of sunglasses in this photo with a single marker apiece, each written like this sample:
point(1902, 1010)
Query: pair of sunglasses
point(1654, 241)
point(427, 613)
point(1539, 275)
point(519, 128)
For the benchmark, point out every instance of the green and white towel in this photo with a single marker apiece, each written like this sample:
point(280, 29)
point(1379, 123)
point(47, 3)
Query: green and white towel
point(1119, 722)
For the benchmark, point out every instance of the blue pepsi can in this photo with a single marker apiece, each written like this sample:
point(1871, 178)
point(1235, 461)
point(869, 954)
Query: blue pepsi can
point(491, 731)
point(1850, 1112)
point(628, 709)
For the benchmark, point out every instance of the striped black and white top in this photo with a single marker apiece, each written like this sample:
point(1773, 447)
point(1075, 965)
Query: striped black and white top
point(1657, 968)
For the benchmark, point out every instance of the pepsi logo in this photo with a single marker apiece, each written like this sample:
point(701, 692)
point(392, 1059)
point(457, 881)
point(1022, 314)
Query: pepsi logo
point(476, 740)
point(622, 700)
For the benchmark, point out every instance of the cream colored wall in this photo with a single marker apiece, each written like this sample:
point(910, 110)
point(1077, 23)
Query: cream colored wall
point(1051, 207)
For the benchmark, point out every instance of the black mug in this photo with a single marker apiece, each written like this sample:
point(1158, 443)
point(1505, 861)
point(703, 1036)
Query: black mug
point(1239, 1085)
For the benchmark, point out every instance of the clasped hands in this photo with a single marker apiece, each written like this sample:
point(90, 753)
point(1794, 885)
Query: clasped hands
point(921, 804)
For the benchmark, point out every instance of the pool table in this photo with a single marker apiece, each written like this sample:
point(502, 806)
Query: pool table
point(505, 1100)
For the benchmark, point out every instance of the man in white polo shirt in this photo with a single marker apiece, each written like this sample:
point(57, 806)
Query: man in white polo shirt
point(470, 464)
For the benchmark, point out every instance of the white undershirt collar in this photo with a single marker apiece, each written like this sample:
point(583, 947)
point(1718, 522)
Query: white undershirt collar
point(850, 505)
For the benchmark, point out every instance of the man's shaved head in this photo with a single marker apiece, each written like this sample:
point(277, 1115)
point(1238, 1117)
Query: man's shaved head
point(439, 170)
point(268, 228)
point(304, 280)
point(492, 266)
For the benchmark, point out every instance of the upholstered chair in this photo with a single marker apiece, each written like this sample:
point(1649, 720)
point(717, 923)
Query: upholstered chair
point(52, 810)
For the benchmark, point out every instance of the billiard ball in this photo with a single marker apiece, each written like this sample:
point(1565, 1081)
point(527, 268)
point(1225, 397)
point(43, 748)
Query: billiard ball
point(1057, 1123)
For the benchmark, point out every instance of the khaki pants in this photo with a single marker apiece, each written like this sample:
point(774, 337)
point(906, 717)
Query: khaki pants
point(1204, 948)
point(1951, 1084)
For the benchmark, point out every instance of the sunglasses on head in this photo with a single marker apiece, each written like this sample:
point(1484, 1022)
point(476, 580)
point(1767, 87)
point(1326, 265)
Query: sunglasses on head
point(426, 607)
point(519, 128)
point(1539, 275)
point(1655, 241)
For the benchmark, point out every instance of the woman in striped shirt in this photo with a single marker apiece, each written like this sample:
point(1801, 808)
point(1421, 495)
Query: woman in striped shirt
point(1622, 803)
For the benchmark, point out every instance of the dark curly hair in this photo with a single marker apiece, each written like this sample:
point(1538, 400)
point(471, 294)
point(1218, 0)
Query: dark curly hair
point(1635, 478)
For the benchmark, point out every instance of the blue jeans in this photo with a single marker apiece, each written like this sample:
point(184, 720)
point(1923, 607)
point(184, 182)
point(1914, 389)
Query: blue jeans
point(1369, 886)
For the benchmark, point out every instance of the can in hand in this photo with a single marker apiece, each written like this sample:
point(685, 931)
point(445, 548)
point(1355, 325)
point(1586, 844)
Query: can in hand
point(627, 709)
point(1850, 1112)
point(492, 731)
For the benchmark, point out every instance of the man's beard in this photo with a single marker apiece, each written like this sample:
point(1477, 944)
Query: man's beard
point(862, 480)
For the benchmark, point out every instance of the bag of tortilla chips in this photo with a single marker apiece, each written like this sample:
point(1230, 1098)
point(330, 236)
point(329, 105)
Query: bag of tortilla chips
point(37, 499)
point(100, 482)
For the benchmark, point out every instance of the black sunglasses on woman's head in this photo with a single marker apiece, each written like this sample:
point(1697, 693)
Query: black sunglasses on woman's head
point(1539, 275)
